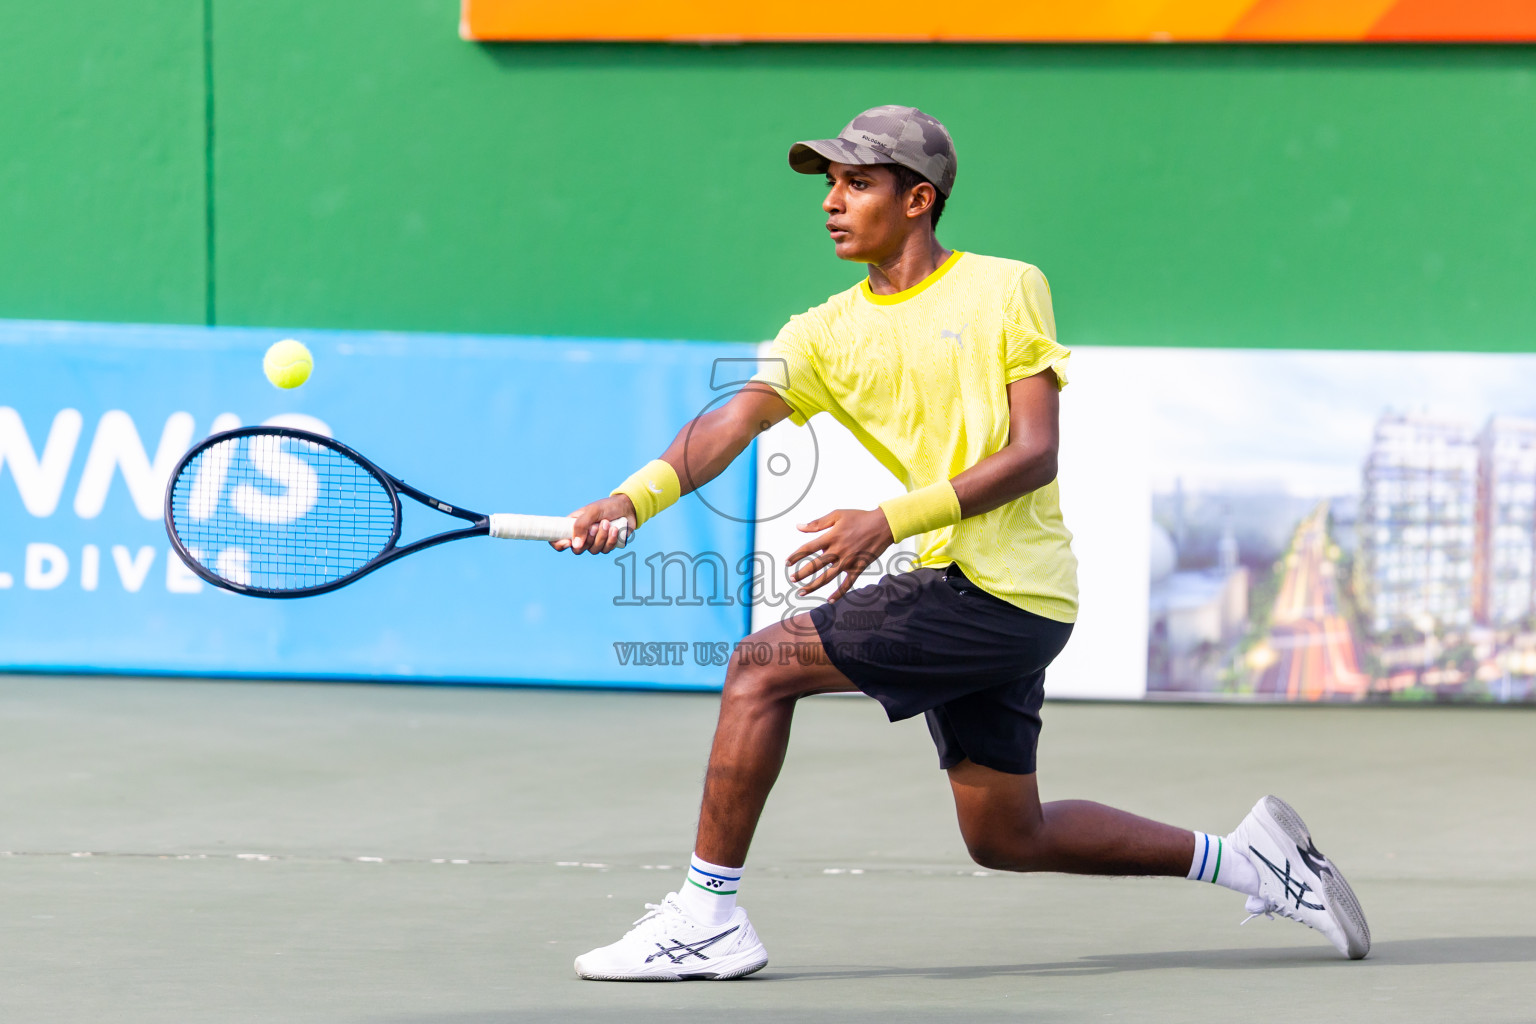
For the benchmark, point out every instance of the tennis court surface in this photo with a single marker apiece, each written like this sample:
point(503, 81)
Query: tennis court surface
point(219, 851)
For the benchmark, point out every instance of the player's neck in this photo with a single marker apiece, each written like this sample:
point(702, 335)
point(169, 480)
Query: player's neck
point(919, 256)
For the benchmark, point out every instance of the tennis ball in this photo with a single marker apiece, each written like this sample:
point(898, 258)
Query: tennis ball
point(287, 363)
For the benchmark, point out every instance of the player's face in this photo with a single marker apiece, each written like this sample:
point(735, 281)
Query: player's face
point(866, 215)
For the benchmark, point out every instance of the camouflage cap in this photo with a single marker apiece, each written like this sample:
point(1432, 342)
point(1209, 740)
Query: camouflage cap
point(885, 135)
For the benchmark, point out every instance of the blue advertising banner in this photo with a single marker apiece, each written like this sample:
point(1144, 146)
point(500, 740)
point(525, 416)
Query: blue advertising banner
point(94, 417)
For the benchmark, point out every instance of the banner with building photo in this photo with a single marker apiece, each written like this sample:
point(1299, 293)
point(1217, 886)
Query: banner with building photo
point(1267, 525)
point(1341, 526)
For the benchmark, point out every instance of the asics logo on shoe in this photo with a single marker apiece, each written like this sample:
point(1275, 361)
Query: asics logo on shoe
point(680, 951)
point(1295, 888)
point(1314, 859)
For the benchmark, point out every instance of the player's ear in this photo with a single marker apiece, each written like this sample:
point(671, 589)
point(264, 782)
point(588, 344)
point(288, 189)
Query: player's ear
point(921, 199)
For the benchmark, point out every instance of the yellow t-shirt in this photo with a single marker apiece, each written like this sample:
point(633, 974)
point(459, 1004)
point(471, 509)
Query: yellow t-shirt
point(921, 377)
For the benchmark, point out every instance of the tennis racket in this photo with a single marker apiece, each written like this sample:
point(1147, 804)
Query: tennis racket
point(278, 512)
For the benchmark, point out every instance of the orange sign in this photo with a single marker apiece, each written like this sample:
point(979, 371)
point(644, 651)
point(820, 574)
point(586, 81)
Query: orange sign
point(1005, 21)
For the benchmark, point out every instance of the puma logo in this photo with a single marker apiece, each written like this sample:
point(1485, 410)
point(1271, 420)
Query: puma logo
point(957, 336)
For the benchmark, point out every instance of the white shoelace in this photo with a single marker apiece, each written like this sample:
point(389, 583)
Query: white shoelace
point(652, 911)
point(1267, 909)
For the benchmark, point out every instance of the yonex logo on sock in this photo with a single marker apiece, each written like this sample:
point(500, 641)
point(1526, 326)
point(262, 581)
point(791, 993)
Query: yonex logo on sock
point(715, 882)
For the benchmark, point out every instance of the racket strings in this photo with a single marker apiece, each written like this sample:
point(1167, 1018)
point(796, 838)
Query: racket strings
point(280, 513)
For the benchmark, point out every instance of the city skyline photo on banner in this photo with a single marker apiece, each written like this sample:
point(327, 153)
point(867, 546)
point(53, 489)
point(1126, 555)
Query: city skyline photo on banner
point(1344, 526)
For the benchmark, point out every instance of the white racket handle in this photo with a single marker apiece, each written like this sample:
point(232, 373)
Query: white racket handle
point(511, 526)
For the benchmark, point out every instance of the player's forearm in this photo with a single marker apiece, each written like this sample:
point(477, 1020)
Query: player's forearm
point(708, 444)
point(992, 482)
point(1001, 477)
point(701, 451)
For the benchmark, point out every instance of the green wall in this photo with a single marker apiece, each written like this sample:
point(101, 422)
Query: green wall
point(370, 169)
point(102, 198)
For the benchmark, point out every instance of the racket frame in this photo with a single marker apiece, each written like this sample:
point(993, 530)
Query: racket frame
point(393, 486)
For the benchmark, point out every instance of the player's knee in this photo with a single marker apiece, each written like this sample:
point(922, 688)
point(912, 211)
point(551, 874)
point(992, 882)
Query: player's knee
point(999, 859)
point(990, 855)
point(1002, 849)
point(753, 683)
point(1013, 854)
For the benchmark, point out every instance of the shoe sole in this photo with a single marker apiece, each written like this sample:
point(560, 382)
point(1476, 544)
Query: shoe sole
point(1343, 906)
point(725, 975)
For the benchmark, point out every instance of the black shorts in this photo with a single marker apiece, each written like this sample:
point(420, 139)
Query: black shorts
point(931, 641)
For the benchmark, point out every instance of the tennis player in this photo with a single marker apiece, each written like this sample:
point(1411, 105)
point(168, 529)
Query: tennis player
point(945, 366)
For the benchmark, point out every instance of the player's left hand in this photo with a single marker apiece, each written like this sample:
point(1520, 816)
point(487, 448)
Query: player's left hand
point(853, 539)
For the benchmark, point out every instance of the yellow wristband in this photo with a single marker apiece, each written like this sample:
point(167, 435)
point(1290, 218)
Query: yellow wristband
point(652, 488)
point(927, 508)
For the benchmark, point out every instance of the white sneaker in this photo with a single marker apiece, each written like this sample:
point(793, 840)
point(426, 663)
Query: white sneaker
point(668, 945)
point(1298, 882)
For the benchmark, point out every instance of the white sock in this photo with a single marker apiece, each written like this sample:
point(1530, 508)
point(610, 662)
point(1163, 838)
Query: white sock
point(708, 894)
point(1217, 859)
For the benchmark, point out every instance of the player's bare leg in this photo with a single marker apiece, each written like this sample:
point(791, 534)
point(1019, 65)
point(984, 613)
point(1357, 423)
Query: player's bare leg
point(1007, 828)
point(756, 707)
point(699, 932)
point(1280, 868)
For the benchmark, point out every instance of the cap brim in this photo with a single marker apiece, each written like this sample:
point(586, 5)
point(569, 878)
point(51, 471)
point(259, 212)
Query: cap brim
point(813, 157)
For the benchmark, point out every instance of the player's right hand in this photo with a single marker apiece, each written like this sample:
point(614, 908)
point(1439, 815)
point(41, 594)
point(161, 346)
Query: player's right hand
point(597, 526)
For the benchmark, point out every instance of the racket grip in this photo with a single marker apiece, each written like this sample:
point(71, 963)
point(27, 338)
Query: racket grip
point(511, 526)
